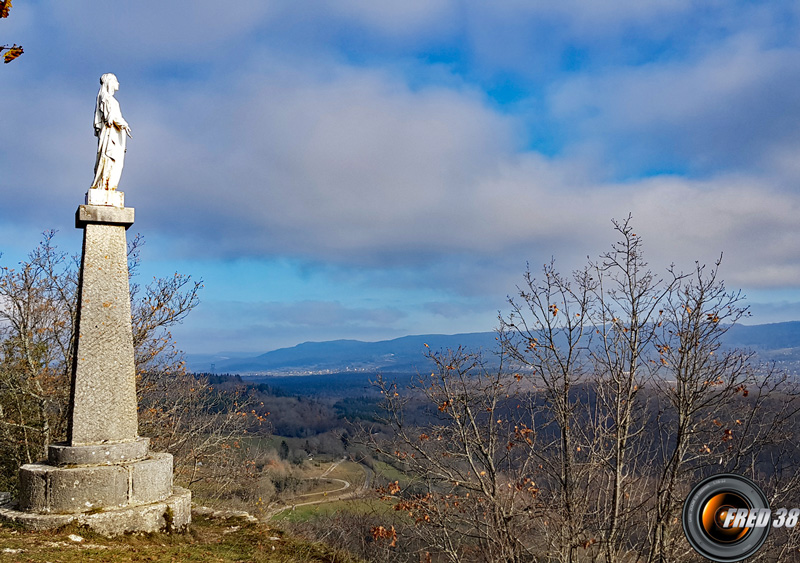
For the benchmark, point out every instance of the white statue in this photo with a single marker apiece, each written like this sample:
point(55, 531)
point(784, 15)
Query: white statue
point(111, 129)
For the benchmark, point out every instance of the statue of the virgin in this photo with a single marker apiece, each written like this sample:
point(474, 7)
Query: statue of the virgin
point(111, 130)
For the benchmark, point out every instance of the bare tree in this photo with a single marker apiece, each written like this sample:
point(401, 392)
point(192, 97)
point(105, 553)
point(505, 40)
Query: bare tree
point(627, 298)
point(720, 410)
point(37, 312)
point(475, 456)
point(546, 332)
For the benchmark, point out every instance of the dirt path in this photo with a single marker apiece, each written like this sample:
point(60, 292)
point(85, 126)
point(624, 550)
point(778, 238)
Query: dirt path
point(272, 511)
point(345, 485)
point(331, 468)
point(369, 474)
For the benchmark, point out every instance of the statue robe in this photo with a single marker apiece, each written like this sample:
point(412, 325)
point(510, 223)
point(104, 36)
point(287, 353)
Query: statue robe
point(111, 140)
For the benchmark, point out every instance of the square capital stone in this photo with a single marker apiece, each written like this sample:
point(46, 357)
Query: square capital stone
point(103, 215)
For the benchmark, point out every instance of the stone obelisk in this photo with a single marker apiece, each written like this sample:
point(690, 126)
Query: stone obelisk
point(104, 475)
point(103, 399)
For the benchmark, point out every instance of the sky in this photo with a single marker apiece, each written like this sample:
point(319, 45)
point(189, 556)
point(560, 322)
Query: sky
point(358, 169)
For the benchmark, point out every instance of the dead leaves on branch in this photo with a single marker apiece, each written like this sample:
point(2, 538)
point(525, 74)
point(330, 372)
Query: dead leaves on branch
point(382, 533)
point(12, 53)
point(15, 50)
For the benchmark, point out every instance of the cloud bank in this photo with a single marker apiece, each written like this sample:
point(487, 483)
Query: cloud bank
point(424, 145)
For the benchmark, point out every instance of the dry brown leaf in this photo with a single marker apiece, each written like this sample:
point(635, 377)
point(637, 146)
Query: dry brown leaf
point(12, 53)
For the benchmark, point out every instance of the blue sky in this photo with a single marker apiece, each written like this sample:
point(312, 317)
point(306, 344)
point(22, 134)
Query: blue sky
point(360, 169)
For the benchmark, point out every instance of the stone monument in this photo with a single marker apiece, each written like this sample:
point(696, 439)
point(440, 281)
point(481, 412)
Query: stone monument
point(104, 475)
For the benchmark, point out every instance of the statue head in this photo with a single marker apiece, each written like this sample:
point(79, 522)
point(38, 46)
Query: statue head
point(109, 83)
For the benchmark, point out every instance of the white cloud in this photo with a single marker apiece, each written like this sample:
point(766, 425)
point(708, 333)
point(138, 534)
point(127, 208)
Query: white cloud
point(353, 163)
point(730, 107)
point(142, 33)
point(395, 19)
point(352, 166)
point(358, 169)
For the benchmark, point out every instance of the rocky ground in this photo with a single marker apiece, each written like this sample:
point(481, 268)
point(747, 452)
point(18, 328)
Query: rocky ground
point(215, 536)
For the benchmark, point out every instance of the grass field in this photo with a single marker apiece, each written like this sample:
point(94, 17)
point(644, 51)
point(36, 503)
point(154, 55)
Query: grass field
point(386, 472)
point(217, 541)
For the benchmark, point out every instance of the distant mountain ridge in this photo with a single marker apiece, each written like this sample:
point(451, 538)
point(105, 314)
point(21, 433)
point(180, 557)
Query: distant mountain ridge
point(397, 355)
point(778, 341)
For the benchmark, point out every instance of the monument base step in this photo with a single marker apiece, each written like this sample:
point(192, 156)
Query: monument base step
point(173, 514)
point(50, 489)
point(98, 454)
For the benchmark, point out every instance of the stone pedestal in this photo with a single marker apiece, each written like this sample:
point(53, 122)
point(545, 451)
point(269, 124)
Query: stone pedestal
point(104, 475)
point(105, 197)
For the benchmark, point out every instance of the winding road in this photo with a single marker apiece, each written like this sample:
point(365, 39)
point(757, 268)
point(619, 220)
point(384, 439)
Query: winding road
point(345, 485)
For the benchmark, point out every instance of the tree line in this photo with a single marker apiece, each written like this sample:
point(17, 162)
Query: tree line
point(613, 397)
